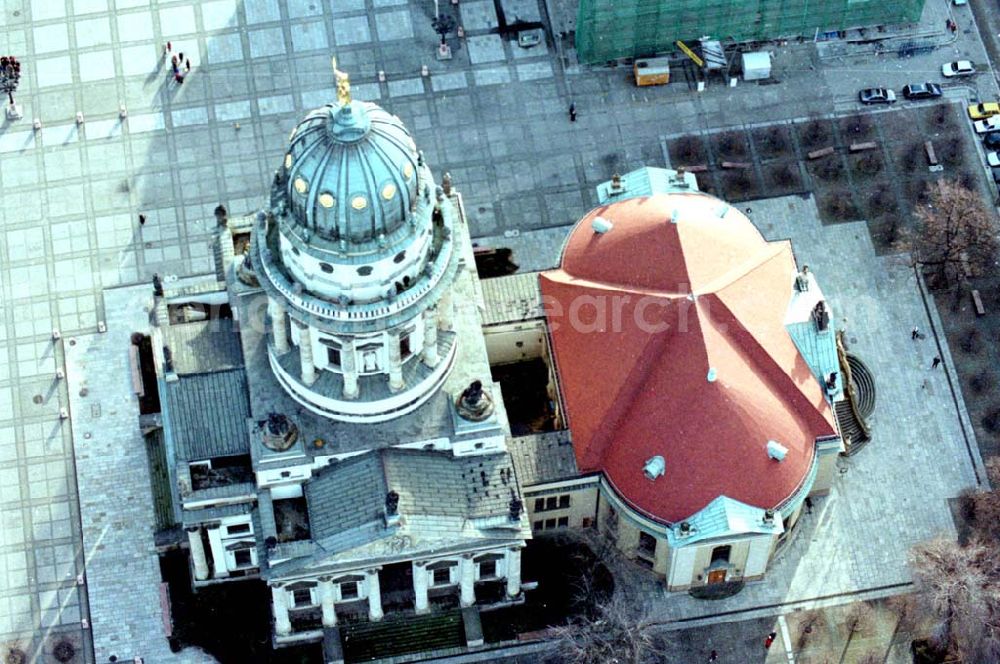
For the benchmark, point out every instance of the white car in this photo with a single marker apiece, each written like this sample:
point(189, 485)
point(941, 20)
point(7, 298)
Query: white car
point(993, 158)
point(958, 68)
point(988, 125)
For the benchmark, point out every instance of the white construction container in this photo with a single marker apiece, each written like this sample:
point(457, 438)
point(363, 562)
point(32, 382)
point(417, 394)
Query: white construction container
point(756, 66)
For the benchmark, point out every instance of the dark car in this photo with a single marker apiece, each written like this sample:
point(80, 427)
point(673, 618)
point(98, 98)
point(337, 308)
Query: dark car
point(877, 96)
point(922, 91)
point(992, 141)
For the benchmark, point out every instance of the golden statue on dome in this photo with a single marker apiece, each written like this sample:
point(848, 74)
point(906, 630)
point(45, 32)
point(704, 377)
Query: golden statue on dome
point(343, 85)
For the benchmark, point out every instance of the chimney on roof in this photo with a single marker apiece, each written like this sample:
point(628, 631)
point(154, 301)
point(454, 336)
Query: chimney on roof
point(768, 517)
point(601, 225)
point(515, 508)
point(802, 280)
point(616, 184)
point(391, 509)
point(821, 316)
point(831, 381)
point(776, 450)
point(654, 467)
point(684, 529)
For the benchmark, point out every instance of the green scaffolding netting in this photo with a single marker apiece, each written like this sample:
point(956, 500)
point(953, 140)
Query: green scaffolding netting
point(612, 29)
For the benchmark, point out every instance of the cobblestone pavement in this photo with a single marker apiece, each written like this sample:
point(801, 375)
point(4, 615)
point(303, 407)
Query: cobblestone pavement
point(122, 565)
point(70, 194)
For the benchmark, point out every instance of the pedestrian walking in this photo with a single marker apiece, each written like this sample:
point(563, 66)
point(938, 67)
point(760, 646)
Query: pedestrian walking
point(142, 220)
point(168, 48)
point(180, 56)
point(713, 657)
point(178, 77)
point(935, 362)
point(769, 640)
point(572, 112)
point(915, 334)
point(187, 64)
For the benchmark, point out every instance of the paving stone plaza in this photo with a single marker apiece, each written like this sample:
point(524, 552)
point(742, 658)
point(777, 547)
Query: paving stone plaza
point(119, 138)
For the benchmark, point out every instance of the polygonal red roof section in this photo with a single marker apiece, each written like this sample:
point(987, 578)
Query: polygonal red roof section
point(680, 286)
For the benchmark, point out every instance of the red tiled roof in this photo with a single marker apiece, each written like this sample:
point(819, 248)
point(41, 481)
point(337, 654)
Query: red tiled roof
point(638, 317)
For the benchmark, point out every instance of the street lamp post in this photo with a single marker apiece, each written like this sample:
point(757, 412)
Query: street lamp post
point(10, 76)
point(443, 25)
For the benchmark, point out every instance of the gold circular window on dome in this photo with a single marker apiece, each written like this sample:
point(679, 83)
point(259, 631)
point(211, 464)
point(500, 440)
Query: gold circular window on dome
point(388, 191)
point(288, 160)
point(301, 185)
point(359, 202)
point(326, 199)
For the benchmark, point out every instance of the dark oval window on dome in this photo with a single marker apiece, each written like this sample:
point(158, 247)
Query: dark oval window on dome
point(295, 250)
point(365, 270)
point(326, 267)
point(399, 257)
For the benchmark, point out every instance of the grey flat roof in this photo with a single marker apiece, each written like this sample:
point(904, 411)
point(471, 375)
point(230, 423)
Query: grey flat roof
point(208, 414)
point(203, 346)
point(543, 457)
point(514, 298)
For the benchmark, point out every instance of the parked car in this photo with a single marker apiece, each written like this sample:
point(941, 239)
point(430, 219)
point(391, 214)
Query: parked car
point(988, 125)
point(877, 96)
point(991, 141)
point(958, 68)
point(983, 110)
point(993, 159)
point(922, 91)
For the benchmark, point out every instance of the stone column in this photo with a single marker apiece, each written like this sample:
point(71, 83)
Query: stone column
point(514, 572)
point(279, 604)
point(279, 326)
point(326, 600)
point(467, 574)
point(197, 547)
point(218, 551)
point(430, 352)
point(306, 355)
point(395, 362)
point(374, 595)
point(446, 311)
point(420, 587)
point(349, 367)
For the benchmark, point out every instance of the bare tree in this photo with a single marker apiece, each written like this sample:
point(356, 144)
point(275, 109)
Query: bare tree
point(956, 236)
point(984, 506)
point(617, 632)
point(960, 587)
point(859, 618)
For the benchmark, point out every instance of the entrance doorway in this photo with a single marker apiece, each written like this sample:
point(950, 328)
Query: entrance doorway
point(717, 576)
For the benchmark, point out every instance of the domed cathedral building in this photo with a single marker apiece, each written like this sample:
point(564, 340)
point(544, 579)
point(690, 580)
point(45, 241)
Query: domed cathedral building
point(330, 424)
point(700, 389)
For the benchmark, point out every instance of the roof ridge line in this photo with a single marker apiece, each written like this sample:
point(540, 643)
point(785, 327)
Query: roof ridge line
point(772, 372)
point(745, 268)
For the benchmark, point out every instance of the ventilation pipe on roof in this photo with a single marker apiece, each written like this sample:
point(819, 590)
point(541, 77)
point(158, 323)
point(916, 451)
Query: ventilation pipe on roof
point(601, 225)
point(712, 374)
point(776, 450)
point(802, 280)
point(654, 467)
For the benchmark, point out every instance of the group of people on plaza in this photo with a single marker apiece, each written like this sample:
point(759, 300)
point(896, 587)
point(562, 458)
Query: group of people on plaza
point(181, 65)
